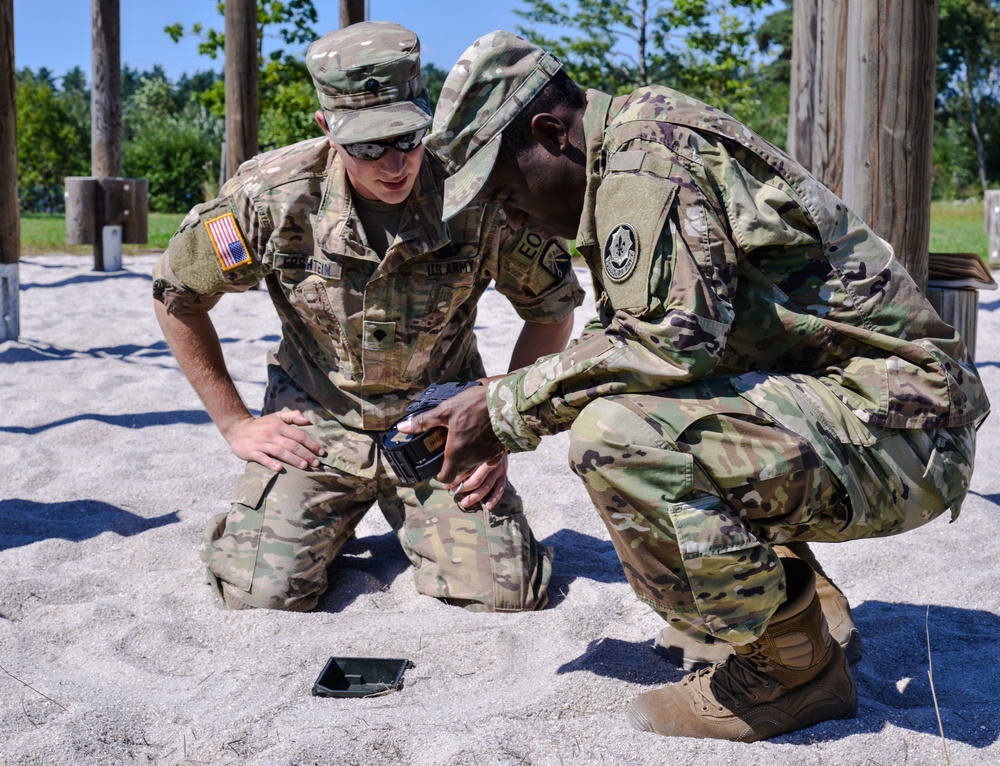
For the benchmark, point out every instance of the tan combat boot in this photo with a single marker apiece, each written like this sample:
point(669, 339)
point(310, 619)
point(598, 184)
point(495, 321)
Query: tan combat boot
point(795, 675)
point(690, 654)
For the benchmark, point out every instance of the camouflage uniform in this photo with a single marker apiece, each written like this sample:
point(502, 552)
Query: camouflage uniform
point(362, 335)
point(764, 369)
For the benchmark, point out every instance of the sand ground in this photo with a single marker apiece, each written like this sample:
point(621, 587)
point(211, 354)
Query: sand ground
point(113, 651)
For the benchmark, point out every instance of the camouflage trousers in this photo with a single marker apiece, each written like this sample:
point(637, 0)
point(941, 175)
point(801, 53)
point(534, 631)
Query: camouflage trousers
point(284, 529)
point(695, 485)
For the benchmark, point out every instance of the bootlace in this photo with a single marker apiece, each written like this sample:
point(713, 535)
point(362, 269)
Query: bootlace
point(735, 682)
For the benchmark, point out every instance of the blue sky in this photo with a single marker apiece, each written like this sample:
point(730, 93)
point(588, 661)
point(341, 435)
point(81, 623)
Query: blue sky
point(56, 33)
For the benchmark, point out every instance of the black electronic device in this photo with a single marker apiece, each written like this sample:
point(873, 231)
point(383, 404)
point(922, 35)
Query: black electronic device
point(417, 457)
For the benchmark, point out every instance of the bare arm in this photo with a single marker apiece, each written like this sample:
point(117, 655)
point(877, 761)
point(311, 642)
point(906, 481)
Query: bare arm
point(272, 440)
point(537, 340)
point(487, 483)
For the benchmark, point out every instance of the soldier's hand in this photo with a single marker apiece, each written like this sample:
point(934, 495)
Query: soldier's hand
point(471, 440)
point(485, 485)
point(275, 441)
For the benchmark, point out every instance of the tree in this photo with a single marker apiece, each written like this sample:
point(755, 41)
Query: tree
point(287, 98)
point(704, 47)
point(773, 77)
point(968, 52)
point(176, 150)
point(53, 136)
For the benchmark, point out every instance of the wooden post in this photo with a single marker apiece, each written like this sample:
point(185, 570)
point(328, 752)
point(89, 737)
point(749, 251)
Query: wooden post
point(816, 103)
point(93, 203)
point(241, 83)
point(889, 122)
point(10, 208)
point(351, 12)
point(991, 221)
point(105, 106)
point(106, 90)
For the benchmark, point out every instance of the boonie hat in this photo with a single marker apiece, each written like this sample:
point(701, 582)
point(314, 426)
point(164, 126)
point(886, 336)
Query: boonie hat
point(367, 78)
point(487, 88)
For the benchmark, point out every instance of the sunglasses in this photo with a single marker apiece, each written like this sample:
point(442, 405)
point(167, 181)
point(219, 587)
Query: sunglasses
point(373, 150)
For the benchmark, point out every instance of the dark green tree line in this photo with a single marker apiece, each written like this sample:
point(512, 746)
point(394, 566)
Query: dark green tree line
point(732, 53)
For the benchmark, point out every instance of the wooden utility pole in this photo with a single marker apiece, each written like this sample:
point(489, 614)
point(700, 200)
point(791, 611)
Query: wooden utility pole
point(351, 12)
point(242, 101)
point(10, 223)
point(816, 108)
point(104, 209)
point(105, 90)
point(889, 122)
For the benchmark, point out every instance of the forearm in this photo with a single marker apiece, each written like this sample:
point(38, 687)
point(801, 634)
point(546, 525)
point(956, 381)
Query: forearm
point(546, 398)
point(193, 340)
point(537, 340)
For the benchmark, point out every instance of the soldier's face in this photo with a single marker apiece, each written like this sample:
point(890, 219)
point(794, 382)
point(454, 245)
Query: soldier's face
point(390, 178)
point(539, 187)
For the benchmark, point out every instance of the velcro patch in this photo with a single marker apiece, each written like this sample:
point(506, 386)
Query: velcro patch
point(227, 239)
point(626, 161)
point(632, 218)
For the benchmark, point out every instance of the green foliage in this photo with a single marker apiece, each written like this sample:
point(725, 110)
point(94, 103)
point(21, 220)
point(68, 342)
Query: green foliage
point(289, 113)
point(287, 100)
point(773, 77)
point(706, 48)
point(176, 150)
point(290, 20)
point(434, 78)
point(53, 136)
point(966, 158)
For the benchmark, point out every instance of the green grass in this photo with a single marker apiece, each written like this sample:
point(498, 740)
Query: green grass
point(46, 233)
point(956, 227)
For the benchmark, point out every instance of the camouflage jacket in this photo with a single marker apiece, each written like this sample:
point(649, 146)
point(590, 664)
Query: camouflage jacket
point(361, 334)
point(716, 254)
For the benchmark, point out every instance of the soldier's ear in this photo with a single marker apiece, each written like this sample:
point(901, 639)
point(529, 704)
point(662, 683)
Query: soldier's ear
point(321, 121)
point(551, 132)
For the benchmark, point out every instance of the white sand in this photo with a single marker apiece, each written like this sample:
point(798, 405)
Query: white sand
point(113, 651)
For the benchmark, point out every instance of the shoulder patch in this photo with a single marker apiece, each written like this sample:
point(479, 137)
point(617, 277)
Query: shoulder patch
point(621, 252)
point(556, 260)
point(529, 246)
point(227, 239)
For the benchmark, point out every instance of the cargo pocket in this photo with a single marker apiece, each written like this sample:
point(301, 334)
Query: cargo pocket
point(949, 467)
point(231, 553)
point(730, 574)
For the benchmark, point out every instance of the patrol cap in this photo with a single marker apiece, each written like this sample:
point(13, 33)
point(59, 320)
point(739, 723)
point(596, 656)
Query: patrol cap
point(486, 89)
point(367, 78)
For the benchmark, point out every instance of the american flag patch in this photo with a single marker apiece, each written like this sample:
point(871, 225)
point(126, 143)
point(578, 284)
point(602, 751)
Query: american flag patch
point(228, 242)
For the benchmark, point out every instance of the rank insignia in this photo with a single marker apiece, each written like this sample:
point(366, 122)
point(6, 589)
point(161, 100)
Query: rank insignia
point(621, 252)
point(230, 247)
